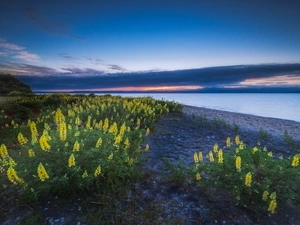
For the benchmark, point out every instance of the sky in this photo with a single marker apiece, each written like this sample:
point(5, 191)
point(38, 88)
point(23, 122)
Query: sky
point(150, 44)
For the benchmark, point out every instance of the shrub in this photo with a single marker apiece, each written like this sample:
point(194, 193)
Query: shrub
point(252, 176)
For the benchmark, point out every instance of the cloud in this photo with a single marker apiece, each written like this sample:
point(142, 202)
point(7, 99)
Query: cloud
point(9, 46)
point(16, 51)
point(26, 56)
point(115, 67)
point(57, 28)
point(83, 72)
point(25, 69)
point(284, 80)
point(68, 57)
point(214, 77)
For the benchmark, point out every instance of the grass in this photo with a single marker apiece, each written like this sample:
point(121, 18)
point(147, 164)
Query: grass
point(3, 100)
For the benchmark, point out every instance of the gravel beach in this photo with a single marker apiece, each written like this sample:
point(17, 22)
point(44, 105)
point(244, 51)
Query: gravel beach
point(276, 127)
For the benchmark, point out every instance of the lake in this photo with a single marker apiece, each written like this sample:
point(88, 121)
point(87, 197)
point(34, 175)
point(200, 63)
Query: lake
point(282, 106)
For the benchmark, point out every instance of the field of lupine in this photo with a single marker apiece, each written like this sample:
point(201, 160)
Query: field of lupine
point(75, 143)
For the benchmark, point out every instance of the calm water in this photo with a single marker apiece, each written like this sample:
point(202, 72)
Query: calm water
point(283, 106)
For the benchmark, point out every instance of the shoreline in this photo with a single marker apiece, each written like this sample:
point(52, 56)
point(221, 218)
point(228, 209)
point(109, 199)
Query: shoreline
point(274, 126)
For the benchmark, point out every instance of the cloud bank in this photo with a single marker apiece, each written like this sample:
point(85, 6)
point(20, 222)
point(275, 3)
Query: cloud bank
point(279, 75)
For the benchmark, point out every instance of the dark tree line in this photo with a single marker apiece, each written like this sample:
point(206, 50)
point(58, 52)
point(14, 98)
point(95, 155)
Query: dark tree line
point(9, 85)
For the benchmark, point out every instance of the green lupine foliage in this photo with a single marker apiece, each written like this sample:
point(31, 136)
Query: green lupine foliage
point(43, 163)
point(249, 173)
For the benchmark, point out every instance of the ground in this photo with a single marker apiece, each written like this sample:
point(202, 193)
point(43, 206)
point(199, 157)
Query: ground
point(158, 198)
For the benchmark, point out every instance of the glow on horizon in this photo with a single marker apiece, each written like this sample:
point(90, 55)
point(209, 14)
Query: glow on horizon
point(284, 80)
point(128, 89)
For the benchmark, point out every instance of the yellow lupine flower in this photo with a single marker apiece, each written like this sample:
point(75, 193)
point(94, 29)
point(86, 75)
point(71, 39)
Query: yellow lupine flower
point(248, 179)
point(44, 143)
point(69, 127)
point(295, 161)
point(237, 139)
point(130, 161)
point(100, 124)
point(42, 173)
point(34, 132)
point(76, 146)
point(12, 122)
point(105, 125)
point(113, 129)
point(272, 206)
point(265, 149)
point(3, 151)
point(88, 123)
point(228, 142)
point(71, 160)
point(11, 162)
point(31, 153)
point(62, 131)
point(220, 156)
point(265, 196)
point(238, 163)
point(12, 176)
point(138, 123)
point(281, 157)
point(211, 156)
point(77, 121)
point(99, 142)
point(122, 129)
point(21, 139)
point(117, 140)
point(147, 147)
point(46, 134)
point(147, 131)
point(216, 147)
point(273, 195)
point(200, 157)
point(196, 158)
point(110, 157)
point(85, 174)
point(46, 126)
point(126, 143)
point(59, 117)
point(198, 176)
point(270, 154)
point(255, 149)
point(241, 145)
point(97, 171)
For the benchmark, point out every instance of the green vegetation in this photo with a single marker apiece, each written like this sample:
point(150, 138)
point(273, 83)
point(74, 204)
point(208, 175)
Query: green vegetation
point(252, 176)
point(9, 85)
point(87, 143)
point(4, 100)
point(263, 134)
point(176, 173)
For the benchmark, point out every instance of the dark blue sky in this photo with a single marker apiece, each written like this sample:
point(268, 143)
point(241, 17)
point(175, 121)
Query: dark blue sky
point(92, 38)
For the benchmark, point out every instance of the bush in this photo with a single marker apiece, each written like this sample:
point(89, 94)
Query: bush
point(252, 176)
